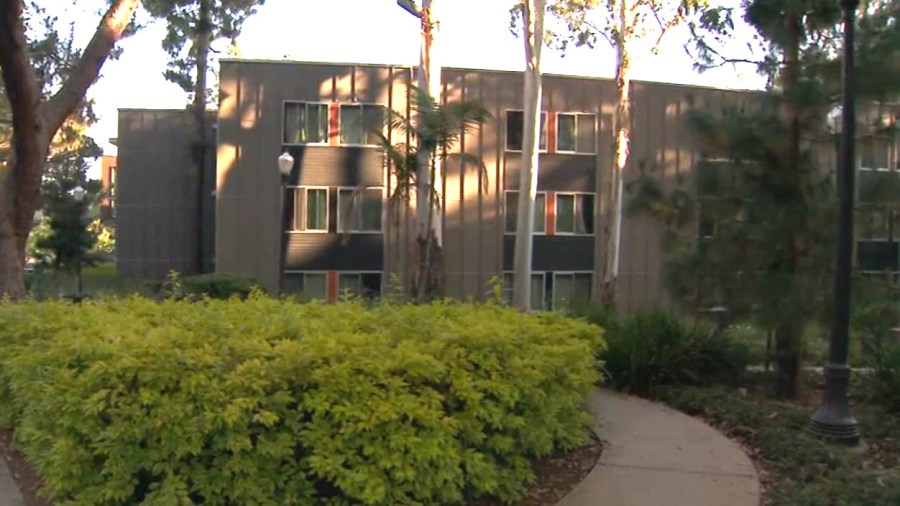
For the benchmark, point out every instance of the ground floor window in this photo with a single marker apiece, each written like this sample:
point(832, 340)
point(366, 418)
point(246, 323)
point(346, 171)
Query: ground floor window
point(359, 284)
point(312, 285)
point(554, 290)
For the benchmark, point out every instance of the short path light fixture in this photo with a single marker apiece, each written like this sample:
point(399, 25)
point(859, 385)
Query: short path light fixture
point(78, 193)
point(285, 166)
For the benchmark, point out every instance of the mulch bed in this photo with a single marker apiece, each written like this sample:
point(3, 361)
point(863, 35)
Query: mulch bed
point(555, 476)
point(25, 475)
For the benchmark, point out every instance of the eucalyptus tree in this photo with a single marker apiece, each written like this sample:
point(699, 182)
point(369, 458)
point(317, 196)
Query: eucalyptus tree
point(629, 27)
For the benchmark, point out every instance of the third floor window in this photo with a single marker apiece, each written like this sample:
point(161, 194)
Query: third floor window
point(305, 123)
point(361, 123)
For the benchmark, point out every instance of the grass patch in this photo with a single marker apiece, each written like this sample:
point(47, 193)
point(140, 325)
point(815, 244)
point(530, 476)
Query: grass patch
point(800, 469)
point(97, 280)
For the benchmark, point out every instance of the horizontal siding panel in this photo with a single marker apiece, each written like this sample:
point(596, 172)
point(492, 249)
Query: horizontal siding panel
point(335, 252)
point(336, 166)
point(554, 253)
point(557, 172)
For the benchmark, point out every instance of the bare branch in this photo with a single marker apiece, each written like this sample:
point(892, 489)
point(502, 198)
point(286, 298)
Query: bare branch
point(110, 31)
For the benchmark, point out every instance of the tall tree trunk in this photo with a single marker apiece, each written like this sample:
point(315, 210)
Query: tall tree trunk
point(35, 122)
point(788, 332)
point(533, 26)
point(622, 132)
point(201, 52)
point(429, 235)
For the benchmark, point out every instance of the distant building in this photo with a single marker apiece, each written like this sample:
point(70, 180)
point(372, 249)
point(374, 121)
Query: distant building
point(108, 173)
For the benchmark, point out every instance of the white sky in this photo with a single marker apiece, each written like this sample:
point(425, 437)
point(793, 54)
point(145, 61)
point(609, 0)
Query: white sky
point(475, 33)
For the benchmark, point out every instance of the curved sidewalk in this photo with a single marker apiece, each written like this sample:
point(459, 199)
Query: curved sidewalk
point(656, 455)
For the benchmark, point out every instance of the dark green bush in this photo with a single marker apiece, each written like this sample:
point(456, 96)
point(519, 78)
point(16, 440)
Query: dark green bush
point(648, 350)
point(874, 324)
point(214, 286)
point(270, 402)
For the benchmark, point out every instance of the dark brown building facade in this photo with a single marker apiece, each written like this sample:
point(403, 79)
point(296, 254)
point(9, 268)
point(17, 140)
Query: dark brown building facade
point(340, 232)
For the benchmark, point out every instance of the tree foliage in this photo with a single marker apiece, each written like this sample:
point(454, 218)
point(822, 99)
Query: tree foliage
point(185, 25)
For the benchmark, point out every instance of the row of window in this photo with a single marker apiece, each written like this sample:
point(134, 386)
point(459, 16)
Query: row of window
point(549, 290)
point(361, 124)
point(575, 132)
point(314, 285)
point(358, 124)
point(574, 213)
point(359, 210)
point(554, 290)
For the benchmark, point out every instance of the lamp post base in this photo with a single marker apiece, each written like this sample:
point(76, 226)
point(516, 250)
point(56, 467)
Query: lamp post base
point(833, 420)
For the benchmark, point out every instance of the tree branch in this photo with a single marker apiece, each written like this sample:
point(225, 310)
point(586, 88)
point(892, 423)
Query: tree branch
point(110, 31)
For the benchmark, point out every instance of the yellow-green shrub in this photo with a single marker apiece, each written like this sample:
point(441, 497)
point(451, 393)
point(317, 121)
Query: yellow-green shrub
point(270, 402)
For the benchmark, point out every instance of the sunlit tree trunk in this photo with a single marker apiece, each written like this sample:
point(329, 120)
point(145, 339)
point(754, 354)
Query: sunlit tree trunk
point(622, 132)
point(533, 26)
point(36, 121)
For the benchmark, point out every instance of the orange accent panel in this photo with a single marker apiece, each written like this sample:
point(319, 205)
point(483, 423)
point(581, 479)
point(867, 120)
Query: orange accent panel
point(334, 124)
point(331, 286)
point(551, 132)
point(551, 213)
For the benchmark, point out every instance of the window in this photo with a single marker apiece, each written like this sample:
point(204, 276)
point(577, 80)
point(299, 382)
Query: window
point(538, 296)
point(310, 284)
point(512, 212)
point(515, 126)
point(569, 288)
point(310, 210)
point(305, 123)
point(359, 210)
point(575, 213)
point(360, 284)
point(359, 124)
point(575, 133)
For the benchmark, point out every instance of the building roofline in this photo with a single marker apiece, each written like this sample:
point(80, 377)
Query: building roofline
point(471, 69)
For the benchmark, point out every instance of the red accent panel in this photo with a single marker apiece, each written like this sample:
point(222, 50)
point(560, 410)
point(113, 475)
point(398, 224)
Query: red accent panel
point(551, 213)
point(334, 124)
point(331, 286)
point(551, 132)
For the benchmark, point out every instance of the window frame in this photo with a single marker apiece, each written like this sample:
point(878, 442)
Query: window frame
point(506, 232)
point(327, 105)
point(576, 115)
point(572, 274)
point(575, 203)
point(546, 130)
point(362, 105)
point(305, 273)
point(338, 275)
point(339, 224)
point(507, 290)
point(294, 188)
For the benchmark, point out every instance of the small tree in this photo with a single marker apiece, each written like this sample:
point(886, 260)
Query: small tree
point(69, 239)
point(437, 129)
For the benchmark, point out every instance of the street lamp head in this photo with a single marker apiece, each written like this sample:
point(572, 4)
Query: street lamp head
point(285, 164)
point(835, 120)
point(78, 193)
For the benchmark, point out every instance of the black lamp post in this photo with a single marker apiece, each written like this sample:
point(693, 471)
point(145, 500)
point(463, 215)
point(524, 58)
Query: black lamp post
point(833, 421)
point(78, 194)
point(285, 165)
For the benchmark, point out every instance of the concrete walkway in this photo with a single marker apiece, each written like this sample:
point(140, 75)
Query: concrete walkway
point(656, 455)
point(9, 490)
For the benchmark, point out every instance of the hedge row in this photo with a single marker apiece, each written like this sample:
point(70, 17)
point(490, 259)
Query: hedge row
point(270, 402)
